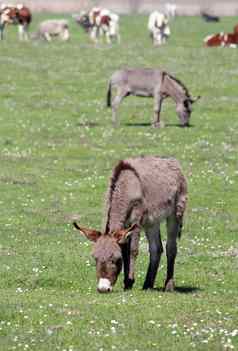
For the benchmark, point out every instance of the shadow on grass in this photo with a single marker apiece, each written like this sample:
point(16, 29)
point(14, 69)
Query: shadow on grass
point(138, 124)
point(178, 125)
point(87, 124)
point(149, 125)
point(132, 124)
point(187, 289)
point(181, 289)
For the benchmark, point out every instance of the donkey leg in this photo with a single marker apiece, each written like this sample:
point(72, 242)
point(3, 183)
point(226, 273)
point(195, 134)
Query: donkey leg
point(156, 249)
point(115, 104)
point(173, 230)
point(134, 250)
point(130, 251)
point(125, 248)
point(157, 108)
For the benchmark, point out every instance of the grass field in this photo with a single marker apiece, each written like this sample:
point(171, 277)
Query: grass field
point(57, 149)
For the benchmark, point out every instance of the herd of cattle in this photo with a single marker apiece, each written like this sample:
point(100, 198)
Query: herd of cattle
point(21, 16)
point(100, 23)
point(97, 22)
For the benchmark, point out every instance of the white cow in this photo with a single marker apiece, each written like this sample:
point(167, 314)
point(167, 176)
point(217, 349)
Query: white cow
point(158, 27)
point(170, 10)
point(53, 28)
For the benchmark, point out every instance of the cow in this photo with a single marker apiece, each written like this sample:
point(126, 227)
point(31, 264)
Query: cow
point(235, 29)
point(52, 28)
point(19, 15)
point(170, 10)
point(142, 192)
point(222, 39)
point(82, 19)
point(213, 39)
point(100, 22)
point(158, 28)
point(209, 18)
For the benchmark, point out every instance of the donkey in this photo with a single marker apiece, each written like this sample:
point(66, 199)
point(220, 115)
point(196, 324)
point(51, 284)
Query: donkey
point(150, 83)
point(142, 193)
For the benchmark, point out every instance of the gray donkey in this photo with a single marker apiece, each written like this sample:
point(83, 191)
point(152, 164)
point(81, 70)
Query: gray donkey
point(148, 82)
point(142, 193)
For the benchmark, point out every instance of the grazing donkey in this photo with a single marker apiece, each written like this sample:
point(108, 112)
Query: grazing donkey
point(150, 83)
point(142, 193)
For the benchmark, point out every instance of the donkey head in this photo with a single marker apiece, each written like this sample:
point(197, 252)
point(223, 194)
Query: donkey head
point(184, 110)
point(107, 254)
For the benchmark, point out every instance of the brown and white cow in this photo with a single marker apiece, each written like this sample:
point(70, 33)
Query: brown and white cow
point(223, 39)
point(19, 15)
point(99, 23)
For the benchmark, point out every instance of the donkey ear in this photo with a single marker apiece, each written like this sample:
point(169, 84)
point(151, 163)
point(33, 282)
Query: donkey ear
point(91, 234)
point(195, 99)
point(123, 234)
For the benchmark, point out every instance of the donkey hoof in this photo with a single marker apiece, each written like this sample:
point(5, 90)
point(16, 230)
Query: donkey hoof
point(115, 124)
point(158, 125)
point(169, 286)
point(147, 286)
point(184, 125)
point(128, 284)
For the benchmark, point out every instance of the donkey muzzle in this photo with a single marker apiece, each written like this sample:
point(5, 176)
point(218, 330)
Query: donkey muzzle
point(104, 285)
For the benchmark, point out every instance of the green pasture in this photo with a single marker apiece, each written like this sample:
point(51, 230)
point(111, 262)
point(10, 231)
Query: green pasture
point(57, 150)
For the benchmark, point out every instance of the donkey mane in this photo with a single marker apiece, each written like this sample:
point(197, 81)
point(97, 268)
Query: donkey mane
point(121, 166)
point(178, 81)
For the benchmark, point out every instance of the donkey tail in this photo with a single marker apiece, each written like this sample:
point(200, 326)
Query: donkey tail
point(181, 204)
point(109, 94)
